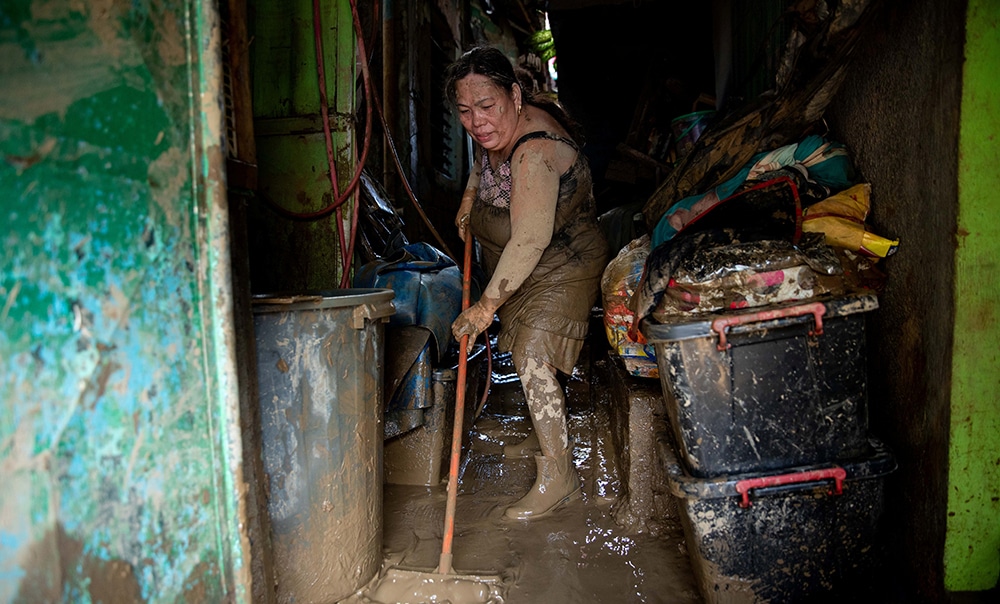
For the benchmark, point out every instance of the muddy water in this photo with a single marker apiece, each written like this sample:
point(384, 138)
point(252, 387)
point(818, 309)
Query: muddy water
point(579, 554)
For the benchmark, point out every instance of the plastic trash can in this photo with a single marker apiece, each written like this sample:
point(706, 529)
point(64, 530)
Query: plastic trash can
point(319, 373)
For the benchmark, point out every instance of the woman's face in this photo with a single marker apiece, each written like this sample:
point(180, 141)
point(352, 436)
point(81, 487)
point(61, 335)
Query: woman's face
point(487, 111)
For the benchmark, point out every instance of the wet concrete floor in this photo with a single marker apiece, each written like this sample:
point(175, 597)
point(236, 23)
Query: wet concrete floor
point(578, 554)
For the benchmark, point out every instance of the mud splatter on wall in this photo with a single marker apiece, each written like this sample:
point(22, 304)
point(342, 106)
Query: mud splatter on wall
point(121, 474)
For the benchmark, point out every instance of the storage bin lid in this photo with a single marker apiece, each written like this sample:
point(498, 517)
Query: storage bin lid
point(877, 463)
point(334, 298)
point(747, 320)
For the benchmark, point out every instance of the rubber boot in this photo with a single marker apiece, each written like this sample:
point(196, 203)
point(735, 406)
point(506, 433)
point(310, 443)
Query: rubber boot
point(556, 483)
point(529, 447)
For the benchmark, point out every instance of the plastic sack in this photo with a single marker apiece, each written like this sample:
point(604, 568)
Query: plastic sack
point(428, 288)
point(841, 218)
point(745, 289)
point(716, 262)
point(618, 282)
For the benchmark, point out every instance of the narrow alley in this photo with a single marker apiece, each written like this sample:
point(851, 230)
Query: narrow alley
point(221, 215)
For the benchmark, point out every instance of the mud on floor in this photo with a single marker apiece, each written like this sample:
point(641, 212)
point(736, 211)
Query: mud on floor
point(578, 554)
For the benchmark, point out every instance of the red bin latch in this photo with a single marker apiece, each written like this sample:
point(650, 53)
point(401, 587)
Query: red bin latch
point(816, 309)
point(837, 474)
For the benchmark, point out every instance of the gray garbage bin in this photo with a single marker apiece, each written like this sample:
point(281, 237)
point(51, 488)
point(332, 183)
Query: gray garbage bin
point(319, 371)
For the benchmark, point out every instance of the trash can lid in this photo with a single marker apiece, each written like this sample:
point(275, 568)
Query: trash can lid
point(313, 300)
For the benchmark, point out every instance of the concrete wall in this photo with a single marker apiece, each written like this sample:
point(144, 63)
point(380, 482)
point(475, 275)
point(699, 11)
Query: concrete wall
point(899, 113)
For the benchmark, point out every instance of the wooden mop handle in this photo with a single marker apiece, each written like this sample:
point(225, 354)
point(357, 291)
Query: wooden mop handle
point(444, 565)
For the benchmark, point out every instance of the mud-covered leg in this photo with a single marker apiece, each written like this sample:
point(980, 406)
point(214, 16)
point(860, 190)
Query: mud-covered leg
point(556, 481)
point(546, 403)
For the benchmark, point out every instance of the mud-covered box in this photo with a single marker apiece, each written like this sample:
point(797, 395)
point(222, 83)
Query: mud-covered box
point(804, 534)
point(779, 386)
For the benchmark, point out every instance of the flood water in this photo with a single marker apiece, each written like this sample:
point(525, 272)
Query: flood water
point(578, 554)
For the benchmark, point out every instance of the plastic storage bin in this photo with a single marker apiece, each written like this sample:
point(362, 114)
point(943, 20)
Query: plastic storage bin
point(794, 535)
point(319, 373)
point(781, 386)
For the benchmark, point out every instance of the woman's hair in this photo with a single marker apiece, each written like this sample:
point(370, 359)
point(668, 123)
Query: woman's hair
point(491, 62)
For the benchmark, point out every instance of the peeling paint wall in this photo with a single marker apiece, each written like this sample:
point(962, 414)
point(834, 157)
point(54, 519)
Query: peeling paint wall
point(117, 450)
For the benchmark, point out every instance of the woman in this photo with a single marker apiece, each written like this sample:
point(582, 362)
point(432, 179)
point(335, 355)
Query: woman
point(529, 201)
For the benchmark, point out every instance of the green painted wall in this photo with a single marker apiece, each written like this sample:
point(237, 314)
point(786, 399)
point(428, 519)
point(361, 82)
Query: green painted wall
point(972, 546)
point(293, 169)
point(118, 454)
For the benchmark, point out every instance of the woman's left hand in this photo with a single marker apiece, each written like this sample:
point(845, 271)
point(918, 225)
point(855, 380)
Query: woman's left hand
point(472, 322)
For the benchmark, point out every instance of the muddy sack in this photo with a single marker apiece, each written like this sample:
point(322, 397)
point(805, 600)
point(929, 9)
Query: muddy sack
point(618, 283)
point(769, 210)
point(749, 275)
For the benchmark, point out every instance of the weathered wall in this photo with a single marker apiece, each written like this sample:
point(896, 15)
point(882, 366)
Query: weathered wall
point(972, 546)
point(118, 452)
point(289, 254)
point(898, 111)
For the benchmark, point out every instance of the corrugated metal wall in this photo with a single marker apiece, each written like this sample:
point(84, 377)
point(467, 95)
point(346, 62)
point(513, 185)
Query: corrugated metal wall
point(760, 31)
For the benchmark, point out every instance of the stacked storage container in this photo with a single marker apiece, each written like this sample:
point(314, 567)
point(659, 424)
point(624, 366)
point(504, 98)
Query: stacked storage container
point(768, 451)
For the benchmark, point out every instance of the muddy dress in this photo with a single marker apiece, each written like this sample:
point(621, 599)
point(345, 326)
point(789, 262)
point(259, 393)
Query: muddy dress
point(547, 317)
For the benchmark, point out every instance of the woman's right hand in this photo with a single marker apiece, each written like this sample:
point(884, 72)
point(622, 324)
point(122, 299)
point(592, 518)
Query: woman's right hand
point(462, 222)
point(472, 322)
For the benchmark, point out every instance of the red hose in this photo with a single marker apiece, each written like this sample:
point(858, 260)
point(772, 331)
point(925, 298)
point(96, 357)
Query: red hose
point(339, 198)
point(345, 276)
point(346, 244)
point(324, 110)
point(406, 184)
